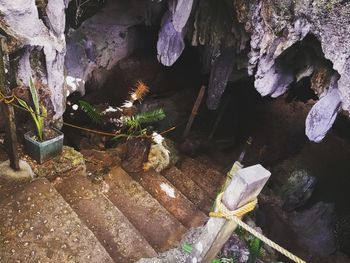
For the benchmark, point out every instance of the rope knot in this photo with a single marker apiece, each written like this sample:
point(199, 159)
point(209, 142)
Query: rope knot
point(224, 212)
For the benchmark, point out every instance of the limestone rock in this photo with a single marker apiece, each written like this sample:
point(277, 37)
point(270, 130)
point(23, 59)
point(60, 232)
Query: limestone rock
point(170, 42)
point(100, 42)
point(24, 27)
point(316, 228)
point(297, 190)
point(181, 10)
point(323, 114)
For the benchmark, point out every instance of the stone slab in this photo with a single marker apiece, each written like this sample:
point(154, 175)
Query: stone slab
point(189, 188)
point(157, 225)
point(171, 199)
point(37, 225)
point(208, 179)
point(115, 232)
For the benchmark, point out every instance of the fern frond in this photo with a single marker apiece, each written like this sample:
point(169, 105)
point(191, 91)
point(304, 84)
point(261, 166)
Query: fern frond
point(137, 120)
point(140, 91)
point(91, 111)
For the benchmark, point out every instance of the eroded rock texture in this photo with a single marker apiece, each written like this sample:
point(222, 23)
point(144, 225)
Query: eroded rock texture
point(276, 42)
point(276, 26)
point(36, 30)
point(171, 35)
point(103, 40)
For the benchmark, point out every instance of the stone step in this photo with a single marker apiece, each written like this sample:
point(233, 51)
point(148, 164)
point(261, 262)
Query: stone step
point(189, 188)
point(115, 232)
point(208, 179)
point(157, 225)
point(171, 198)
point(37, 225)
point(208, 162)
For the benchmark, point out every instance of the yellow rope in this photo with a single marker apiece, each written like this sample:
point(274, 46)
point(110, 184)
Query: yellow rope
point(10, 99)
point(224, 212)
point(6, 99)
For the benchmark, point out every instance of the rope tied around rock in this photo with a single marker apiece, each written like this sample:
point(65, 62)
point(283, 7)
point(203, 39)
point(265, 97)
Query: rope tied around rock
point(223, 212)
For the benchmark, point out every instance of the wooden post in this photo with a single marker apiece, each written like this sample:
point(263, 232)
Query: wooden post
point(10, 129)
point(194, 111)
point(245, 186)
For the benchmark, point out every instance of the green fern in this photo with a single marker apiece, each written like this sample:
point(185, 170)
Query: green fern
point(91, 111)
point(135, 122)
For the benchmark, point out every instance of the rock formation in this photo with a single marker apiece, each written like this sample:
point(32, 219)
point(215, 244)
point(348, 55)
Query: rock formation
point(266, 39)
point(269, 30)
point(35, 30)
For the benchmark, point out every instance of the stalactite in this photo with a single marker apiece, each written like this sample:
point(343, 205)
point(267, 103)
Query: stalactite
point(323, 114)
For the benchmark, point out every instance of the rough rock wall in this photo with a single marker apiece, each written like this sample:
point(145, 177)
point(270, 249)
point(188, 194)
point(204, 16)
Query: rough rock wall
point(38, 26)
point(263, 34)
point(103, 40)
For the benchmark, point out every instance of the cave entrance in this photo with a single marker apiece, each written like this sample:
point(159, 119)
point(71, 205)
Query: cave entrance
point(277, 127)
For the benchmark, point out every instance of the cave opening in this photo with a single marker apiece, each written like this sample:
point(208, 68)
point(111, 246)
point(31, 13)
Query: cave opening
point(158, 105)
point(277, 126)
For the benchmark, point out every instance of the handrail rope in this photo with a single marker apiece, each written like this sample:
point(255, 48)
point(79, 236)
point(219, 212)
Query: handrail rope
point(224, 212)
point(11, 98)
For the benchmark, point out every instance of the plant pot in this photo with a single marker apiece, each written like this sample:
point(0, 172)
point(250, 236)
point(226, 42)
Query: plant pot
point(45, 150)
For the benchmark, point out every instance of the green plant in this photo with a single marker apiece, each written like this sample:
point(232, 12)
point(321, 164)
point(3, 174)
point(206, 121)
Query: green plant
point(135, 122)
point(91, 111)
point(39, 112)
point(254, 249)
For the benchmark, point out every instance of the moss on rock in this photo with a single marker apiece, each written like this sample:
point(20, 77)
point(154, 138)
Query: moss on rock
point(69, 159)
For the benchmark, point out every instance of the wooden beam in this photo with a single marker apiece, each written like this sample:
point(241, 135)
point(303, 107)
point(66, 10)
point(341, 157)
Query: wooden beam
point(245, 186)
point(10, 129)
point(194, 111)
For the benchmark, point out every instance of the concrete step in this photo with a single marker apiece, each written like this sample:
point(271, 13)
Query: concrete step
point(171, 198)
point(189, 188)
point(208, 179)
point(37, 225)
point(157, 225)
point(115, 232)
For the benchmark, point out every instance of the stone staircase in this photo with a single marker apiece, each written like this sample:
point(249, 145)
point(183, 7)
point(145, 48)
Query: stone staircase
point(121, 218)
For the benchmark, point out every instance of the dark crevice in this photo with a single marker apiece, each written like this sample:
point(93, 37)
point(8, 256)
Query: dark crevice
point(80, 10)
point(41, 6)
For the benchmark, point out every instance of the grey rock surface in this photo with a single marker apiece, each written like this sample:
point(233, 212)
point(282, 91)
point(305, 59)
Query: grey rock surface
point(323, 114)
point(316, 228)
point(170, 43)
point(20, 20)
point(101, 41)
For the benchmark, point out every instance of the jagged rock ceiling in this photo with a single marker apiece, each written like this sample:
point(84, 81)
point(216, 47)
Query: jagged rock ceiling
point(236, 37)
point(268, 29)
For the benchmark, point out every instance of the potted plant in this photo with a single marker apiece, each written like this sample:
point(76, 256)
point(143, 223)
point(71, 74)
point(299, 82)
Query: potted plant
point(44, 142)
